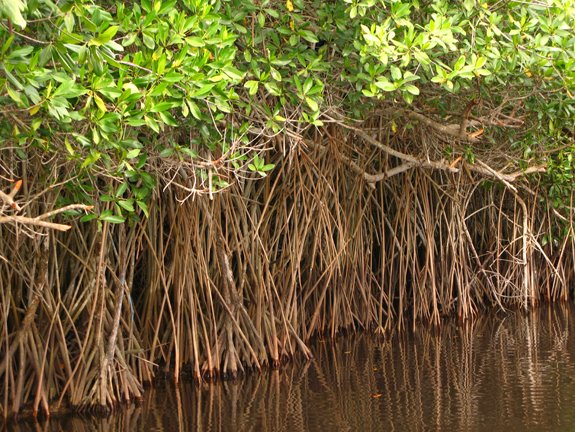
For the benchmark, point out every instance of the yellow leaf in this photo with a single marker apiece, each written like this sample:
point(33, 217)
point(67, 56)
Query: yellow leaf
point(69, 146)
point(291, 26)
point(34, 110)
point(289, 5)
point(393, 126)
point(101, 104)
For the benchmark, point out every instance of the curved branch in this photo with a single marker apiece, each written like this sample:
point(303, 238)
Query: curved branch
point(411, 161)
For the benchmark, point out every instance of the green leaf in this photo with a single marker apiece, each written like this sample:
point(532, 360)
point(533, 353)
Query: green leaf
point(312, 104)
point(412, 89)
point(386, 86)
point(308, 36)
point(134, 153)
point(88, 217)
point(203, 90)
point(104, 37)
point(69, 22)
point(69, 146)
point(252, 86)
point(12, 9)
point(144, 207)
point(129, 39)
point(111, 218)
point(167, 152)
point(395, 73)
point(173, 77)
point(111, 93)
point(275, 74)
point(482, 72)
point(127, 205)
point(162, 106)
point(149, 41)
point(195, 41)
point(14, 95)
point(307, 85)
point(110, 33)
point(194, 109)
point(234, 73)
point(168, 118)
point(122, 189)
point(91, 159)
point(69, 89)
point(459, 63)
point(152, 124)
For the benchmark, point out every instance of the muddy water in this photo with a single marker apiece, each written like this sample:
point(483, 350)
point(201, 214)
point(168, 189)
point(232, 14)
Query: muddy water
point(505, 372)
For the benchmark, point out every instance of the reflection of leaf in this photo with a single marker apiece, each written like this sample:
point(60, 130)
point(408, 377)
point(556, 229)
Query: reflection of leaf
point(12, 9)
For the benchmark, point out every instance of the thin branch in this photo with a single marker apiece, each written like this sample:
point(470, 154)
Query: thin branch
point(9, 200)
point(412, 161)
point(34, 221)
point(451, 130)
point(63, 209)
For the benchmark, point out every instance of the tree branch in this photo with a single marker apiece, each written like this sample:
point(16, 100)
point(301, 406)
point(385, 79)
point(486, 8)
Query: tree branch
point(411, 161)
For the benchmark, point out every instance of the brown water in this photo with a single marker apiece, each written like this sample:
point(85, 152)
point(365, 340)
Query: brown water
point(510, 372)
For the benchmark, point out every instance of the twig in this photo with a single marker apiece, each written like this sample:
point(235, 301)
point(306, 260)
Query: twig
point(39, 220)
point(412, 161)
point(8, 199)
point(34, 221)
point(451, 130)
point(63, 209)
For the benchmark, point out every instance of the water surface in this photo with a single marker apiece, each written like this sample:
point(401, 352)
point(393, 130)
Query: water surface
point(510, 371)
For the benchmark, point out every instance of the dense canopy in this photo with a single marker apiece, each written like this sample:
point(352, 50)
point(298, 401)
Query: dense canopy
point(135, 91)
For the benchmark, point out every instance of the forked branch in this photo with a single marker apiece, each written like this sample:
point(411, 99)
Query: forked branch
point(39, 221)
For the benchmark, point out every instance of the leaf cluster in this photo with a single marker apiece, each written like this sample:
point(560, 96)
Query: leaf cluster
point(129, 90)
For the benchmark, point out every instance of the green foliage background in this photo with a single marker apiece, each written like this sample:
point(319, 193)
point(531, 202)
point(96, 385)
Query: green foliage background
point(128, 91)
